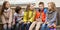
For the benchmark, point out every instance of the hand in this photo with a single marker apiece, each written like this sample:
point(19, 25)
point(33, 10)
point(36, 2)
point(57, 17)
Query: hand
point(54, 25)
point(13, 22)
point(47, 22)
point(21, 21)
point(37, 19)
point(25, 22)
point(28, 22)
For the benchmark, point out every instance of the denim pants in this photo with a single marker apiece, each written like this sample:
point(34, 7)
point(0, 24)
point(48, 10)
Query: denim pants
point(5, 27)
point(25, 26)
point(17, 26)
point(44, 27)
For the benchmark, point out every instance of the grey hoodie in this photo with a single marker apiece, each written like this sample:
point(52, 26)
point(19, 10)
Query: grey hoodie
point(51, 17)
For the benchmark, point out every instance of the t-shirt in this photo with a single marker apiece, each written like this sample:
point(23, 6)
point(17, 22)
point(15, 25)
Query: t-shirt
point(18, 17)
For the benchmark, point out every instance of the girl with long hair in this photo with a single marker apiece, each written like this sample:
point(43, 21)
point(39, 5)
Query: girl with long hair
point(6, 15)
point(28, 18)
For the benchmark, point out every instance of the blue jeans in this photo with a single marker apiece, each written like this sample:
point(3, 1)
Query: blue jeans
point(5, 27)
point(17, 26)
point(44, 27)
point(25, 26)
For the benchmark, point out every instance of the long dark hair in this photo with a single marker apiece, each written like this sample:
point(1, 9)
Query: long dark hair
point(3, 7)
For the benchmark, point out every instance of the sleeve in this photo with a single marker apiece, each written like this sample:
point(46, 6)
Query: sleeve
point(25, 17)
point(3, 19)
point(14, 17)
point(32, 18)
point(46, 17)
point(10, 17)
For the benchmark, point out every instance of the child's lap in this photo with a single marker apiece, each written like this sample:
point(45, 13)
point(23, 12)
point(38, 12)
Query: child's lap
point(51, 24)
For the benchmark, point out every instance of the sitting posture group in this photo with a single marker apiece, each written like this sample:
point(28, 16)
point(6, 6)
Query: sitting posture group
point(29, 19)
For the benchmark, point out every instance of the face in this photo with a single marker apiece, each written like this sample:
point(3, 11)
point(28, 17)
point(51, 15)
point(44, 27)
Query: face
point(20, 11)
point(41, 6)
point(49, 6)
point(32, 7)
point(7, 5)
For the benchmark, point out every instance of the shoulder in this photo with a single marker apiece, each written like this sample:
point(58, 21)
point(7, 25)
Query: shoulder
point(15, 14)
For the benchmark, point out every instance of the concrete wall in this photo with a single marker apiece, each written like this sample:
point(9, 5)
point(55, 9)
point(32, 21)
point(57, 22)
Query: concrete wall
point(57, 2)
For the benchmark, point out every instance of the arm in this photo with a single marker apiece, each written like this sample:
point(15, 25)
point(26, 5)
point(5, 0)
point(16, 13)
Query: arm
point(25, 17)
point(10, 17)
point(46, 20)
point(46, 16)
point(32, 18)
point(13, 21)
point(3, 19)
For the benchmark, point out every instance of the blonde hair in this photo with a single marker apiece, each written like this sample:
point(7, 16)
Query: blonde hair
point(53, 6)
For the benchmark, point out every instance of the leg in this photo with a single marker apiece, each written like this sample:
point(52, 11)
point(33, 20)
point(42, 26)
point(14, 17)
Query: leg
point(9, 26)
point(20, 26)
point(38, 25)
point(32, 26)
point(5, 27)
point(17, 26)
point(27, 26)
point(43, 27)
point(23, 26)
point(48, 28)
point(13, 27)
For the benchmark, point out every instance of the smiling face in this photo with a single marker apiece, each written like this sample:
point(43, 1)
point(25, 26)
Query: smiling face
point(7, 5)
point(49, 6)
point(41, 6)
point(20, 11)
point(32, 7)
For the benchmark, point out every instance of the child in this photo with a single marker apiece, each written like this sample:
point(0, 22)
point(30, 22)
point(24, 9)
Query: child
point(6, 15)
point(29, 15)
point(51, 15)
point(39, 18)
point(18, 17)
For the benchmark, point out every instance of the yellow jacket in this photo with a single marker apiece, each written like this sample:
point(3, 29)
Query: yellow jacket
point(29, 16)
point(25, 16)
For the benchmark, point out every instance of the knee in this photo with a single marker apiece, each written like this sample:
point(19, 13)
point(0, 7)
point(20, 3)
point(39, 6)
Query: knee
point(37, 28)
point(9, 25)
point(22, 25)
point(4, 26)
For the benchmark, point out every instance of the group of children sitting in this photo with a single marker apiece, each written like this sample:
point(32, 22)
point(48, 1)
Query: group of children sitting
point(29, 19)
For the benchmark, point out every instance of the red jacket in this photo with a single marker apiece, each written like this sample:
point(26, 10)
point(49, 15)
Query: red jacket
point(38, 15)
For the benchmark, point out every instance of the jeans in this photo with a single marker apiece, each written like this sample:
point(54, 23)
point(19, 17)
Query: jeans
point(44, 27)
point(25, 26)
point(17, 26)
point(6, 27)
